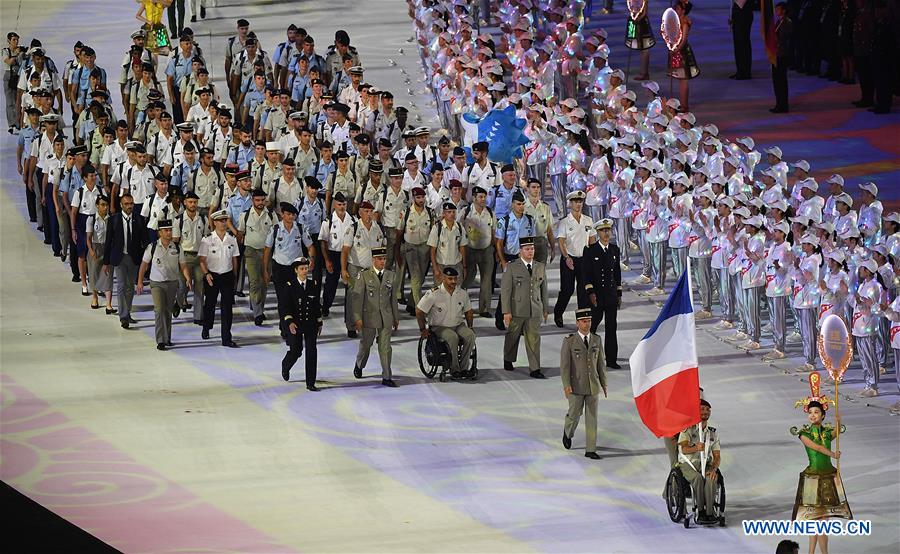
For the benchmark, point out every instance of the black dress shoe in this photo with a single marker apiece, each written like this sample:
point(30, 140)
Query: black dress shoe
point(187, 306)
point(95, 306)
point(557, 319)
point(410, 309)
point(230, 344)
point(485, 314)
point(389, 383)
point(357, 372)
point(863, 103)
point(592, 455)
point(352, 334)
point(161, 346)
point(240, 294)
point(40, 229)
point(614, 365)
point(743, 78)
point(124, 323)
point(204, 334)
point(193, 19)
point(777, 109)
point(537, 374)
point(733, 76)
point(312, 388)
point(170, 343)
point(286, 374)
point(132, 320)
point(176, 310)
point(325, 313)
point(202, 12)
point(508, 366)
point(198, 322)
point(567, 442)
point(76, 279)
point(258, 321)
point(110, 311)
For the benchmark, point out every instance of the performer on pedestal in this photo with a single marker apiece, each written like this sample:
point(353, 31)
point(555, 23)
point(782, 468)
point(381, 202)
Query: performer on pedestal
point(820, 493)
point(639, 36)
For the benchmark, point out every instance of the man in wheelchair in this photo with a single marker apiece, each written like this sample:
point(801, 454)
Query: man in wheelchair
point(449, 315)
point(691, 442)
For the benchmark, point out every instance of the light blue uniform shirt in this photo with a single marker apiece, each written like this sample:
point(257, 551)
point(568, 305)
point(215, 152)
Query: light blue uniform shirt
point(182, 174)
point(511, 229)
point(237, 205)
point(499, 199)
point(289, 245)
point(179, 66)
point(242, 156)
point(300, 89)
point(311, 214)
point(324, 171)
point(70, 183)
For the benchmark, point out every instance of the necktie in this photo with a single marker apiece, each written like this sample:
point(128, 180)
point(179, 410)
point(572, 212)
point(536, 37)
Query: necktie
point(379, 276)
point(586, 342)
point(127, 232)
point(529, 269)
point(302, 289)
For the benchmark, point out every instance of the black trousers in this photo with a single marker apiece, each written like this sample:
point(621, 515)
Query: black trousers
point(320, 261)
point(741, 24)
point(865, 70)
point(281, 274)
point(177, 114)
point(223, 283)
point(306, 335)
point(780, 82)
point(331, 280)
point(176, 22)
point(883, 82)
point(567, 279)
point(610, 342)
point(498, 313)
point(31, 195)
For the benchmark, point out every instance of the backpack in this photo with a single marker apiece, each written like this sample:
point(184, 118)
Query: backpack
point(333, 174)
point(180, 218)
point(440, 225)
point(384, 191)
point(80, 193)
point(275, 187)
point(492, 165)
point(506, 223)
point(430, 217)
point(193, 179)
point(271, 216)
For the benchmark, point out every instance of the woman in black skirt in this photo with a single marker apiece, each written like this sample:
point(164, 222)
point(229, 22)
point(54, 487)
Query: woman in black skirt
point(639, 36)
point(682, 64)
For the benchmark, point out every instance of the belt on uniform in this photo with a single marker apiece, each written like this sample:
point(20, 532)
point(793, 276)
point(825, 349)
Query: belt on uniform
point(194, 252)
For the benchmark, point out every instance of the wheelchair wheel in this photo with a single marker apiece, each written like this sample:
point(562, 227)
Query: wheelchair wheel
point(473, 364)
point(675, 501)
point(425, 366)
point(720, 498)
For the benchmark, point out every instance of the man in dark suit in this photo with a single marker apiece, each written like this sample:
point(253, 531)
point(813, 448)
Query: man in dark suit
point(125, 242)
point(602, 275)
point(783, 30)
point(741, 22)
point(302, 320)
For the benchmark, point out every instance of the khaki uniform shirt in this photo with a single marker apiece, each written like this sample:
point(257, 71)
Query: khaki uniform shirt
point(391, 206)
point(416, 225)
point(256, 226)
point(480, 227)
point(447, 241)
point(444, 309)
point(362, 241)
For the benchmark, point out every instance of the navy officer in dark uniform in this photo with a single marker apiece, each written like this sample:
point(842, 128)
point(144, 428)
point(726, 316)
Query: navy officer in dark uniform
point(301, 320)
point(602, 276)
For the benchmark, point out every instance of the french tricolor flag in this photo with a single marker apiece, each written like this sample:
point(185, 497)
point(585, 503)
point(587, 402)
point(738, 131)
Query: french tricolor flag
point(664, 374)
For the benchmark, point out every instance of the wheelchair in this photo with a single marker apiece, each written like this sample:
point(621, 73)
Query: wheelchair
point(678, 490)
point(434, 359)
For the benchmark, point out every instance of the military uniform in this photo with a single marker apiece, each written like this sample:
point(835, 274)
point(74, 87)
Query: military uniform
point(359, 241)
point(690, 465)
point(189, 232)
point(163, 263)
point(372, 302)
point(480, 253)
point(602, 277)
point(543, 219)
point(299, 302)
point(256, 227)
point(523, 293)
point(446, 314)
point(583, 369)
point(448, 244)
point(416, 227)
